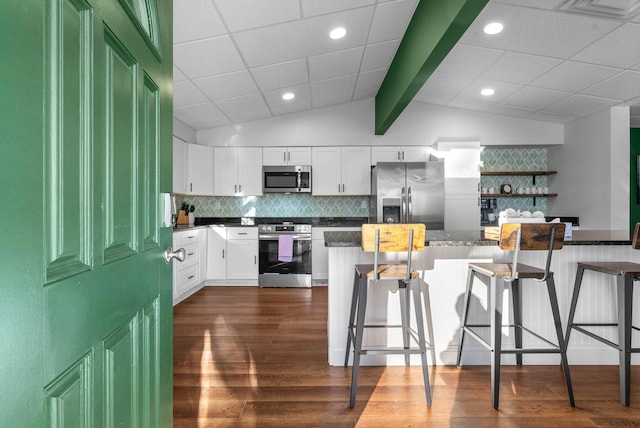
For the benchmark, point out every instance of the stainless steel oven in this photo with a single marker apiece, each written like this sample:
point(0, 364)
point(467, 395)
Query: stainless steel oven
point(276, 273)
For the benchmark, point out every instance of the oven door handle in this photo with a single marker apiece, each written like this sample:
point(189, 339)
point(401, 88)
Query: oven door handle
point(275, 237)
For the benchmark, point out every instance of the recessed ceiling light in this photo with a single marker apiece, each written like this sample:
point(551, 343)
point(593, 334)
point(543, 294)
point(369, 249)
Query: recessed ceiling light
point(487, 92)
point(338, 33)
point(288, 96)
point(493, 28)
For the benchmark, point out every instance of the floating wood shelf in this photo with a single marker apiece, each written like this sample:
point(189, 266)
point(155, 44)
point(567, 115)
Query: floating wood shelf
point(518, 173)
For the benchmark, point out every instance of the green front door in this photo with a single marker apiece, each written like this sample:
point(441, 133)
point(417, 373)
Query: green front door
point(85, 295)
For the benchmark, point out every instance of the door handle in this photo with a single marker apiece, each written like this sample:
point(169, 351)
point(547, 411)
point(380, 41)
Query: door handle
point(169, 255)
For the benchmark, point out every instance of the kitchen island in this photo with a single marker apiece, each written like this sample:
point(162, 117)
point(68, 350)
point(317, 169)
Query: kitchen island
point(443, 267)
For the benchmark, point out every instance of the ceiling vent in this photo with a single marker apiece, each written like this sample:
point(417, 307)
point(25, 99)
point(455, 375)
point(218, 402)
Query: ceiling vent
point(616, 9)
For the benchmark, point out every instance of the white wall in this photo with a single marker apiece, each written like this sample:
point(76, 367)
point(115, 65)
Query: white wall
point(184, 131)
point(593, 171)
point(353, 124)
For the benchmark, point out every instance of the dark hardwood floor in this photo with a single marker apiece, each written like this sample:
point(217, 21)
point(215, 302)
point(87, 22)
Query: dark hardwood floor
point(252, 357)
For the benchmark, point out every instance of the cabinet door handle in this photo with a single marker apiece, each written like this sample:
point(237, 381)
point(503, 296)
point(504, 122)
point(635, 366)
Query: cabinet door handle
point(235, 188)
point(242, 233)
point(343, 188)
point(255, 260)
point(190, 254)
point(338, 188)
point(239, 187)
point(223, 254)
point(402, 155)
point(191, 276)
point(191, 187)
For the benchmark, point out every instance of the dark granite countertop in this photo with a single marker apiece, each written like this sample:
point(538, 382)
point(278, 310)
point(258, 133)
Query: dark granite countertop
point(313, 221)
point(440, 238)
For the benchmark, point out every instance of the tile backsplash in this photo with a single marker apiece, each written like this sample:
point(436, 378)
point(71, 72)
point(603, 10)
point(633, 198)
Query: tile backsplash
point(512, 159)
point(278, 205)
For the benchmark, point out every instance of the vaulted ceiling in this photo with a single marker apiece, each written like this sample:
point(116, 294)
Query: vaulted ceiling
point(555, 61)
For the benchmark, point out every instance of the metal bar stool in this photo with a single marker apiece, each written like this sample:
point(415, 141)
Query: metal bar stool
point(625, 273)
point(385, 238)
point(516, 237)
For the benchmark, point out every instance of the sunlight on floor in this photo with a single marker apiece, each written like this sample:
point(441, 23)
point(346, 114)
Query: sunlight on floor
point(205, 359)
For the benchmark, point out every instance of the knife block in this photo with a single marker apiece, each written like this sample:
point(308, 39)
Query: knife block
point(183, 218)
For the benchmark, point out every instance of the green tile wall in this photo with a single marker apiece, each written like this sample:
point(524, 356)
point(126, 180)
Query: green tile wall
point(278, 205)
point(515, 159)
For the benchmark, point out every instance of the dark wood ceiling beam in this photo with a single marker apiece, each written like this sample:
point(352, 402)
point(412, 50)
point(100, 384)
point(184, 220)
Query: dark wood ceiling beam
point(436, 26)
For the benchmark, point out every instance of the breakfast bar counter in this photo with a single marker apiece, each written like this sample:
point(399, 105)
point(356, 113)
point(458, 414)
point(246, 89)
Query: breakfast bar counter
point(443, 267)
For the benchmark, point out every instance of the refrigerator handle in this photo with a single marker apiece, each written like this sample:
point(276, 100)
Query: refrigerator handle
point(403, 209)
point(410, 209)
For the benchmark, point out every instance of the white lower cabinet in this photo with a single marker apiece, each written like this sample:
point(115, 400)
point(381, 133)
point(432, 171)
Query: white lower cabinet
point(320, 253)
point(189, 274)
point(232, 255)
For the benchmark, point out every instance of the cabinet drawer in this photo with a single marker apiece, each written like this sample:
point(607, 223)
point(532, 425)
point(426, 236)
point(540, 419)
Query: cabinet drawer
point(188, 277)
point(242, 233)
point(182, 239)
point(191, 255)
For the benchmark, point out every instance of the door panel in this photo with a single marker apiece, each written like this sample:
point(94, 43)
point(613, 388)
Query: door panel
point(86, 325)
point(68, 172)
point(120, 155)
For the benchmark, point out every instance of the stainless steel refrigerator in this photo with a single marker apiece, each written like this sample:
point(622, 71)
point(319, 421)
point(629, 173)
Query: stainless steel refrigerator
point(411, 192)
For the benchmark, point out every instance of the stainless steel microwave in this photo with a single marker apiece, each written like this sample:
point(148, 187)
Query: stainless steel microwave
point(286, 179)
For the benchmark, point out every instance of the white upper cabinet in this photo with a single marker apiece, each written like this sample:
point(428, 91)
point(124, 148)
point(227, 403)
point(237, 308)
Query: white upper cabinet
point(341, 170)
point(179, 166)
point(200, 170)
point(462, 188)
point(398, 154)
point(237, 171)
point(286, 156)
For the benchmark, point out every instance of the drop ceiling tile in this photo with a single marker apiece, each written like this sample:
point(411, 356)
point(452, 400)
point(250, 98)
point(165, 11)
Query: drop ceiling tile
point(535, 98)
point(547, 116)
point(292, 108)
point(379, 55)
point(247, 116)
point(540, 4)
point(537, 31)
point(227, 85)
point(470, 104)
point(245, 14)
point(203, 58)
point(368, 83)
point(334, 87)
point(187, 94)
point(623, 86)
point(280, 75)
point(302, 38)
point(324, 102)
point(468, 60)
point(581, 105)
point(510, 110)
point(618, 48)
point(274, 98)
point(234, 107)
point(519, 68)
point(321, 7)
point(391, 20)
point(574, 76)
point(445, 84)
point(194, 20)
point(178, 76)
point(202, 116)
point(433, 99)
point(334, 64)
